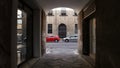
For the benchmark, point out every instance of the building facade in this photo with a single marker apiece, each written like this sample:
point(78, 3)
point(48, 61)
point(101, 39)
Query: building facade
point(62, 22)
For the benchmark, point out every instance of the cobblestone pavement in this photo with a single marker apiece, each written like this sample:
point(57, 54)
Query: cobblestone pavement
point(61, 61)
point(63, 55)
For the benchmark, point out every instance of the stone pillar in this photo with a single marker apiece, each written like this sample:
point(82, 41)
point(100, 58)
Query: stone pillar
point(36, 31)
point(43, 32)
point(8, 37)
point(80, 41)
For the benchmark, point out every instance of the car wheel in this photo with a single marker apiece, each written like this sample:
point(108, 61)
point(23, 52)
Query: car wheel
point(66, 40)
point(56, 40)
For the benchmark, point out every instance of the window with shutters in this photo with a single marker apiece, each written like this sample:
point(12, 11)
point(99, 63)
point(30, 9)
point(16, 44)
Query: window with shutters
point(49, 28)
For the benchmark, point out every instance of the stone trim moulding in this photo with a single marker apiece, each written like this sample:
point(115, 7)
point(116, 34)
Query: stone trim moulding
point(89, 10)
point(89, 14)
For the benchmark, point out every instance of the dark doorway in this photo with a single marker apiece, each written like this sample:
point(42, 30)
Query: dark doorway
point(62, 30)
point(89, 36)
point(86, 37)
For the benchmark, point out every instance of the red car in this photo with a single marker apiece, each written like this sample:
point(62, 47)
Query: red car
point(52, 38)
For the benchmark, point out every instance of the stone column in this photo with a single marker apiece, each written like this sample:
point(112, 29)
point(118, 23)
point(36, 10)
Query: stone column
point(43, 32)
point(36, 31)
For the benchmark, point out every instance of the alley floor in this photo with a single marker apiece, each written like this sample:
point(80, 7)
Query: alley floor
point(63, 57)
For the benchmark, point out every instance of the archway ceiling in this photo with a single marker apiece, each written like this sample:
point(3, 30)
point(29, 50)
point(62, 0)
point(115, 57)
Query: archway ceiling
point(77, 5)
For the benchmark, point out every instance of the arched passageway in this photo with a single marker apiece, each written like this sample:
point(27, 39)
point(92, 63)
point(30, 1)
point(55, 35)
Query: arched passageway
point(107, 30)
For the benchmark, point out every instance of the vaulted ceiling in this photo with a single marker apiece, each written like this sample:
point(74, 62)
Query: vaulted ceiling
point(77, 5)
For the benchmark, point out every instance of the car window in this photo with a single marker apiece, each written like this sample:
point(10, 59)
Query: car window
point(75, 36)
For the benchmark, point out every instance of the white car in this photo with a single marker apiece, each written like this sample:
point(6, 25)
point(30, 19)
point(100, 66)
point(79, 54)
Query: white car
point(71, 38)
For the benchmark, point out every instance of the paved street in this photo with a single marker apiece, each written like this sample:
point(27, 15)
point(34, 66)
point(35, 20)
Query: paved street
point(61, 48)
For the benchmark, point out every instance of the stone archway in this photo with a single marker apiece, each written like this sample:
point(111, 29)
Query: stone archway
point(62, 30)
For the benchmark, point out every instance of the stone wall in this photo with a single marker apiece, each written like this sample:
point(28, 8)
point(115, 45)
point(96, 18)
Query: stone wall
point(108, 34)
point(69, 20)
point(7, 33)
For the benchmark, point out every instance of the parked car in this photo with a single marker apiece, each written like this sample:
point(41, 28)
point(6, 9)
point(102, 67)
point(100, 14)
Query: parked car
point(71, 38)
point(52, 38)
